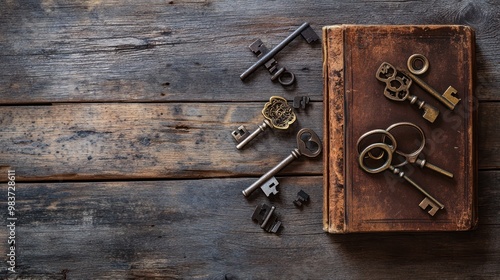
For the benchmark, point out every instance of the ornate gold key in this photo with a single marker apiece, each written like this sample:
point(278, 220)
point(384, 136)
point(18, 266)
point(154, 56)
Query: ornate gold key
point(398, 89)
point(277, 113)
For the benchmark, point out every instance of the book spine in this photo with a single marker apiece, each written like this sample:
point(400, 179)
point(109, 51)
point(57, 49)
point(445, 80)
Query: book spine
point(334, 91)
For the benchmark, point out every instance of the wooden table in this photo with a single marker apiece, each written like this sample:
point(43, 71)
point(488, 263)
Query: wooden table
point(116, 117)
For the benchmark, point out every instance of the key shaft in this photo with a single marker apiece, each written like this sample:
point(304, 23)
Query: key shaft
point(433, 92)
point(264, 178)
point(424, 163)
point(254, 134)
point(417, 186)
point(274, 51)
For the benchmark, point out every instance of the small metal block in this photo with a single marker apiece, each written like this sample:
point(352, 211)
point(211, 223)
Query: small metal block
point(240, 134)
point(302, 198)
point(301, 102)
point(268, 220)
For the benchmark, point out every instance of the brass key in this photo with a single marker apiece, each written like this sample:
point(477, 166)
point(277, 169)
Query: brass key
point(429, 200)
point(447, 98)
point(413, 157)
point(277, 113)
point(398, 89)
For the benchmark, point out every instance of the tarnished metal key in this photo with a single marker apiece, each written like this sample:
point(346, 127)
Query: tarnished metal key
point(277, 72)
point(429, 200)
point(447, 98)
point(308, 144)
point(305, 30)
point(277, 113)
point(398, 89)
point(413, 156)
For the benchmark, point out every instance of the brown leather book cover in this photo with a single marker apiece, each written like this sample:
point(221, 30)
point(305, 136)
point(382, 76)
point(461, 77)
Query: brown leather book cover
point(357, 201)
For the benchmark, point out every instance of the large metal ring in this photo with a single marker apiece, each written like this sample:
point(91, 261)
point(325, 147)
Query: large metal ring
point(411, 64)
point(410, 157)
point(378, 131)
point(386, 148)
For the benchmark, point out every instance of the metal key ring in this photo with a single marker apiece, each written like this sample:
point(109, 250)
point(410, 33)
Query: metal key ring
point(411, 63)
point(286, 82)
point(378, 131)
point(386, 148)
point(410, 157)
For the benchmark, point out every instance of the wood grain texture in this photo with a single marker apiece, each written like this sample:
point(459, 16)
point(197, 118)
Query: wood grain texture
point(127, 141)
point(175, 140)
point(203, 229)
point(182, 59)
point(67, 51)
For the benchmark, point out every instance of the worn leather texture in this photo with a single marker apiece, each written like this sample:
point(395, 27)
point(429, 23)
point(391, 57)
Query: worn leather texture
point(356, 201)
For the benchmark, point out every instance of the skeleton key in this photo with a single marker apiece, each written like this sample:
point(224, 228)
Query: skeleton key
point(308, 144)
point(447, 98)
point(277, 114)
point(413, 157)
point(305, 30)
point(397, 89)
point(429, 200)
point(277, 73)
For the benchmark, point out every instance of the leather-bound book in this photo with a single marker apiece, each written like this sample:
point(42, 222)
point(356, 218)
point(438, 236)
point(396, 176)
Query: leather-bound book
point(368, 85)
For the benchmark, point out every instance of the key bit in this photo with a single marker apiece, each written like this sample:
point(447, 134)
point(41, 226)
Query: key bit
point(304, 30)
point(269, 187)
point(302, 198)
point(426, 203)
point(301, 102)
point(430, 112)
point(308, 144)
point(259, 49)
point(265, 216)
point(240, 134)
point(448, 99)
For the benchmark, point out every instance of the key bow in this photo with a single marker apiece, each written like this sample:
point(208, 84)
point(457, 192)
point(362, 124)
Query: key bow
point(279, 113)
point(308, 143)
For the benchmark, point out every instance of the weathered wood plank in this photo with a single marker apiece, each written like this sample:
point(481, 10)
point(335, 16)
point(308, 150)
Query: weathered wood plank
point(124, 141)
point(118, 141)
point(67, 51)
point(489, 144)
point(202, 229)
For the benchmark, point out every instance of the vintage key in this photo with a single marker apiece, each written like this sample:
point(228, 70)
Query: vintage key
point(277, 73)
point(447, 98)
point(308, 144)
point(429, 200)
point(397, 89)
point(413, 157)
point(277, 113)
point(305, 30)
